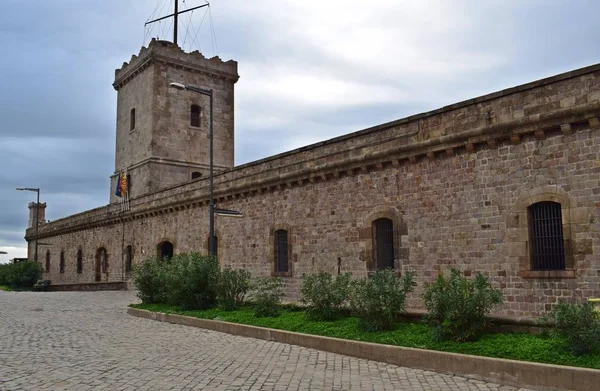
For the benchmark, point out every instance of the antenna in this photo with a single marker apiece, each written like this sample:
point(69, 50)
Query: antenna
point(175, 16)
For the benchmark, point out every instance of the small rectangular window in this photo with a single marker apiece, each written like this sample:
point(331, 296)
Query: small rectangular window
point(132, 119)
point(195, 116)
point(281, 251)
point(546, 236)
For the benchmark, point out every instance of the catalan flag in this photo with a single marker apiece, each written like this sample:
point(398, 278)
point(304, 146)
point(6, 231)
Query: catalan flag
point(121, 187)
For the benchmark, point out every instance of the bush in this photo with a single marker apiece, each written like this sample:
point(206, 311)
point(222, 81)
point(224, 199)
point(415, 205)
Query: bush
point(150, 279)
point(232, 288)
point(576, 324)
point(191, 281)
point(380, 299)
point(457, 307)
point(324, 295)
point(267, 297)
point(20, 275)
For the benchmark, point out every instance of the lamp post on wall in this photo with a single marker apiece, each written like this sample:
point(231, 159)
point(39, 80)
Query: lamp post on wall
point(211, 203)
point(37, 216)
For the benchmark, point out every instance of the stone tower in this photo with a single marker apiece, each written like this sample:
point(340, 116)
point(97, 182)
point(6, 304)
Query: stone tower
point(163, 133)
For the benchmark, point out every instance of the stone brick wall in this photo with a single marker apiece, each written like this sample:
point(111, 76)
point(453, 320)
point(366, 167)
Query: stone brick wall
point(455, 181)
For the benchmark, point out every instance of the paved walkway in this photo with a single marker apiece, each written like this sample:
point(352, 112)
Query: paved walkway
point(85, 340)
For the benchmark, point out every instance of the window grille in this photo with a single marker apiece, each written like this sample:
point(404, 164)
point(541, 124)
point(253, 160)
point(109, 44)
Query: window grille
point(546, 236)
point(281, 251)
point(62, 262)
point(48, 261)
point(383, 234)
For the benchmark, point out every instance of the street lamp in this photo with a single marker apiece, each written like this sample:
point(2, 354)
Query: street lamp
point(211, 203)
point(37, 216)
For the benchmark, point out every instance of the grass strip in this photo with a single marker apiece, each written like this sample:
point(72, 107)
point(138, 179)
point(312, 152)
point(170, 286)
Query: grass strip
point(515, 346)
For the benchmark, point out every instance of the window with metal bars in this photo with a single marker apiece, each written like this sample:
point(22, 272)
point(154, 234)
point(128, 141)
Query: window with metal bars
point(546, 241)
point(383, 243)
point(195, 116)
point(79, 261)
point(48, 261)
point(281, 251)
point(62, 262)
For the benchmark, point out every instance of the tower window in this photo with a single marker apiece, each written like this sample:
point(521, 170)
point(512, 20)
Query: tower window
point(195, 116)
point(546, 236)
point(132, 119)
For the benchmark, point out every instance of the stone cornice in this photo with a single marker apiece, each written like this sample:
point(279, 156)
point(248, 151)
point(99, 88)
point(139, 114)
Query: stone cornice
point(394, 151)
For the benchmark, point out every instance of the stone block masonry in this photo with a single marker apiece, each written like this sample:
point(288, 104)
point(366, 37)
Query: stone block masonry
point(456, 182)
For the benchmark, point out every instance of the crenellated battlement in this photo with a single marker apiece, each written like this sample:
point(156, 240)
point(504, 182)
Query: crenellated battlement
point(159, 50)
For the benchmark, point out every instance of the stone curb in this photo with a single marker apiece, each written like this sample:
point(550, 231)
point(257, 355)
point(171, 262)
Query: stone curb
point(511, 372)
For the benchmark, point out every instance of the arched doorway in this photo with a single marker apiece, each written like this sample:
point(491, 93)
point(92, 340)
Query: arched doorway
point(101, 263)
point(164, 250)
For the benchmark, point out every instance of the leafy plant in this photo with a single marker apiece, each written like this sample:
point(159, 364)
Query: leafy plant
point(191, 281)
point(42, 285)
point(232, 288)
point(20, 275)
point(457, 307)
point(578, 325)
point(379, 300)
point(267, 297)
point(324, 295)
point(150, 279)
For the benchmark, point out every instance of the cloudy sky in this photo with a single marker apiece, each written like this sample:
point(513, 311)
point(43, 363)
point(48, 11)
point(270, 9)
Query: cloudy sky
point(310, 70)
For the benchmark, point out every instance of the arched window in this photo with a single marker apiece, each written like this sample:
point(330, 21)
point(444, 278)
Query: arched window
point(79, 261)
point(47, 261)
point(165, 250)
point(128, 259)
point(383, 243)
point(216, 245)
point(196, 174)
point(546, 236)
point(281, 251)
point(195, 116)
point(62, 261)
point(132, 119)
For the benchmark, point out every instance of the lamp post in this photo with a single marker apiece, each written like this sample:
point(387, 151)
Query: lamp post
point(37, 216)
point(211, 203)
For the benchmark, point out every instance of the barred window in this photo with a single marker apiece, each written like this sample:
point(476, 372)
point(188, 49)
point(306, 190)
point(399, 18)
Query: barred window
point(281, 251)
point(62, 262)
point(47, 261)
point(383, 243)
point(546, 236)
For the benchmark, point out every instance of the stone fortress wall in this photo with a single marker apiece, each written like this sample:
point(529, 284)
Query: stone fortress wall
point(456, 182)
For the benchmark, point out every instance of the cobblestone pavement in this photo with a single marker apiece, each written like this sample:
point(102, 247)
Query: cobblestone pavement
point(85, 340)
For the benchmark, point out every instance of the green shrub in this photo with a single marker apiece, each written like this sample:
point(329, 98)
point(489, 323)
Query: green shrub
point(42, 285)
point(578, 325)
point(267, 297)
point(232, 288)
point(191, 281)
point(20, 275)
point(457, 307)
point(150, 279)
point(324, 295)
point(379, 299)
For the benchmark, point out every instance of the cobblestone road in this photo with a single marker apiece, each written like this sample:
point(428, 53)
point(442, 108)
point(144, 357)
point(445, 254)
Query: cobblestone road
point(84, 341)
